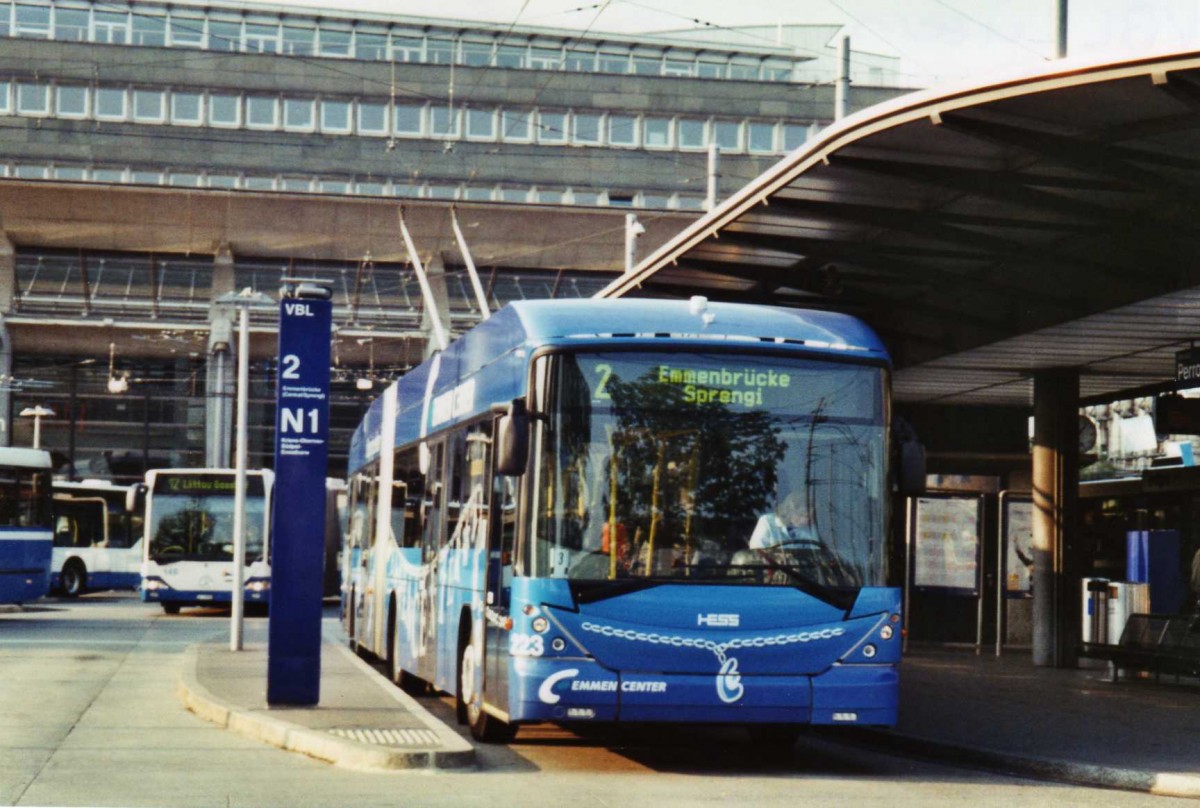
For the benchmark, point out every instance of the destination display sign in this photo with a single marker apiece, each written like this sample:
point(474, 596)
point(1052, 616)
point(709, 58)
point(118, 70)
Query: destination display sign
point(208, 485)
point(740, 382)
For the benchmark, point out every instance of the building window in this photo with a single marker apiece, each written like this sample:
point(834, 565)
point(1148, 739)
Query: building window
point(692, 133)
point(185, 30)
point(744, 69)
point(296, 184)
point(439, 51)
point(728, 135)
point(149, 106)
point(658, 133)
point(590, 198)
point(110, 104)
point(512, 56)
point(657, 201)
point(794, 136)
point(710, 69)
point(408, 48)
point(481, 124)
point(29, 171)
point(224, 109)
point(647, 65)
point(262, 112)
point(187, 108)
point(372, 118)
point(679, 67)
point(514, 194)
point(71, 101)
point(33, 99)
point(259, 183)
point(406, 190)
point(443, 121)
point(299, 41)
point(409, 119)
point(443, 191)
point(5, 97)
point(111, 27)
point(545, 58)
point(552, 127)
point(71, 24)
point(477, 54)
point(108, 175)
point(580, 60)
point(547, 196)
point(149, 30)
point(334, 42)
point(299, 114)
point(760, 137)
point(370, 46)
point(334, 186)
point(262, 38)
point(369, 188)
point(184, 180)
point(515, 125)
point(777, 71)
point(585, 128)
point(147, 178)
point(612, 62)
point(69, 173)
point(335, 117)
point(622, 130)
point(476, 193)
point(224, 36)
point(222, 181)
point(32, 21)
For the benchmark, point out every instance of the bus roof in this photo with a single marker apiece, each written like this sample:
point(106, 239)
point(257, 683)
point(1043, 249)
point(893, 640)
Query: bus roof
point(25, 458)
point(504, 342)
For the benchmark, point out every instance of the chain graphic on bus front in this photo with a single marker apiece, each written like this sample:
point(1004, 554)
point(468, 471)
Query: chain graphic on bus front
point(729, 679)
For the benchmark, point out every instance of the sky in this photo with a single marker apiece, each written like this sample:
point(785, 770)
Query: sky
point(937, 40)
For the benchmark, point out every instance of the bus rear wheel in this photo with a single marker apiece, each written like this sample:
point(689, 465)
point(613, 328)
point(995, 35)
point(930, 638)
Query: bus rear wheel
point(74, 578)
point(171, 608)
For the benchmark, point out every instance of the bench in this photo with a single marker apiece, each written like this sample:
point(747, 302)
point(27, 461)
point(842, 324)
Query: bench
point(1160, 643)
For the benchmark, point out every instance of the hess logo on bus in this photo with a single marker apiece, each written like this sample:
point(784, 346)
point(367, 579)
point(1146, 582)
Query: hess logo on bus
point(718, 620)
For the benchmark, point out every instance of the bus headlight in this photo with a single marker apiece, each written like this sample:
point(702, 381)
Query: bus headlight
point(886, 632)
point(868, 651)
point(258, 586)
point(540, 624)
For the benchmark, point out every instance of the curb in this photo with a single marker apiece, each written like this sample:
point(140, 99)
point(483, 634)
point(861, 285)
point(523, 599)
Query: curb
point(1163, 784)
point(344, 752)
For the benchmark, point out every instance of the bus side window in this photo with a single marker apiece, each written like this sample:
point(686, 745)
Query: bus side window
point(408, 475)
point(432, 501)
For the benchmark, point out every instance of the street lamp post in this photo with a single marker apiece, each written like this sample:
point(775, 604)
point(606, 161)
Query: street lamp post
point(37, 413)
point(243, 301)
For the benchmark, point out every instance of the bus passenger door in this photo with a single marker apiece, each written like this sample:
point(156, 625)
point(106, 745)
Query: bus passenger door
point(497, 596)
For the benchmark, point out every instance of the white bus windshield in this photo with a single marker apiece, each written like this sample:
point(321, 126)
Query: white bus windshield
point(191, 519)
point(711, 466)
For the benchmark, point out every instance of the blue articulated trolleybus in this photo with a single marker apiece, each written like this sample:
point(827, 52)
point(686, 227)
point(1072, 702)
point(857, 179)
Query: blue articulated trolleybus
point(636, 511)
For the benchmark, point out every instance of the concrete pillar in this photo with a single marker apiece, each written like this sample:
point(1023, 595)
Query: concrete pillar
point(218, 387)
point(8, 295)
point(435, 271)
point(1055, 516)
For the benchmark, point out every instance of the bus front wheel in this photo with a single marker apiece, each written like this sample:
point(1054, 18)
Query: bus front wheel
point(171, 608)
point(484, 727)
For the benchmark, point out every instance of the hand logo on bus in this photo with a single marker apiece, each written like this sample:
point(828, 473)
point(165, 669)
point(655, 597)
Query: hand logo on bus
point(729, 681)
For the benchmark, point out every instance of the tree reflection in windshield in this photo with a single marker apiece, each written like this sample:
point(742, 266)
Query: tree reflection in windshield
point(762, 470)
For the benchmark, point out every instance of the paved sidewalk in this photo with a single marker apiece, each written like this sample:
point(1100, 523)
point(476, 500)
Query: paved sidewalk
point(1067, 725)
point(363, 721)
point(981, 711)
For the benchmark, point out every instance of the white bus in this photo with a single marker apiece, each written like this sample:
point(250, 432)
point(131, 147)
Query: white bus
point(188, 547)
point(25, 528)
point(97, 539)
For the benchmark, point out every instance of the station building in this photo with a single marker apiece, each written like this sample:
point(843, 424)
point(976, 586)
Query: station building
point(155, 157)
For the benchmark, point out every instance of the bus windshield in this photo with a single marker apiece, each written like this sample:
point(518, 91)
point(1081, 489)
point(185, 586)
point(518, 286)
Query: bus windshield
point(192, 520)
point(710, 466)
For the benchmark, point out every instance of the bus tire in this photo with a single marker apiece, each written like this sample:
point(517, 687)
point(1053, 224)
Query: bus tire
point(74, 578)
point(171, 608)
point(484, 726)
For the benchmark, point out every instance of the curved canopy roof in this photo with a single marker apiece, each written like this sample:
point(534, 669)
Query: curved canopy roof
point(986, 232)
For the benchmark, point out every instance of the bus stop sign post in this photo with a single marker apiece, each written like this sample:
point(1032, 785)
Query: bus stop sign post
point(298, 506)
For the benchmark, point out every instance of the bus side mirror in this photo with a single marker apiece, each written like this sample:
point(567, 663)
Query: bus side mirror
point(135, 498)
point(911, 478)
point(512, 439)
